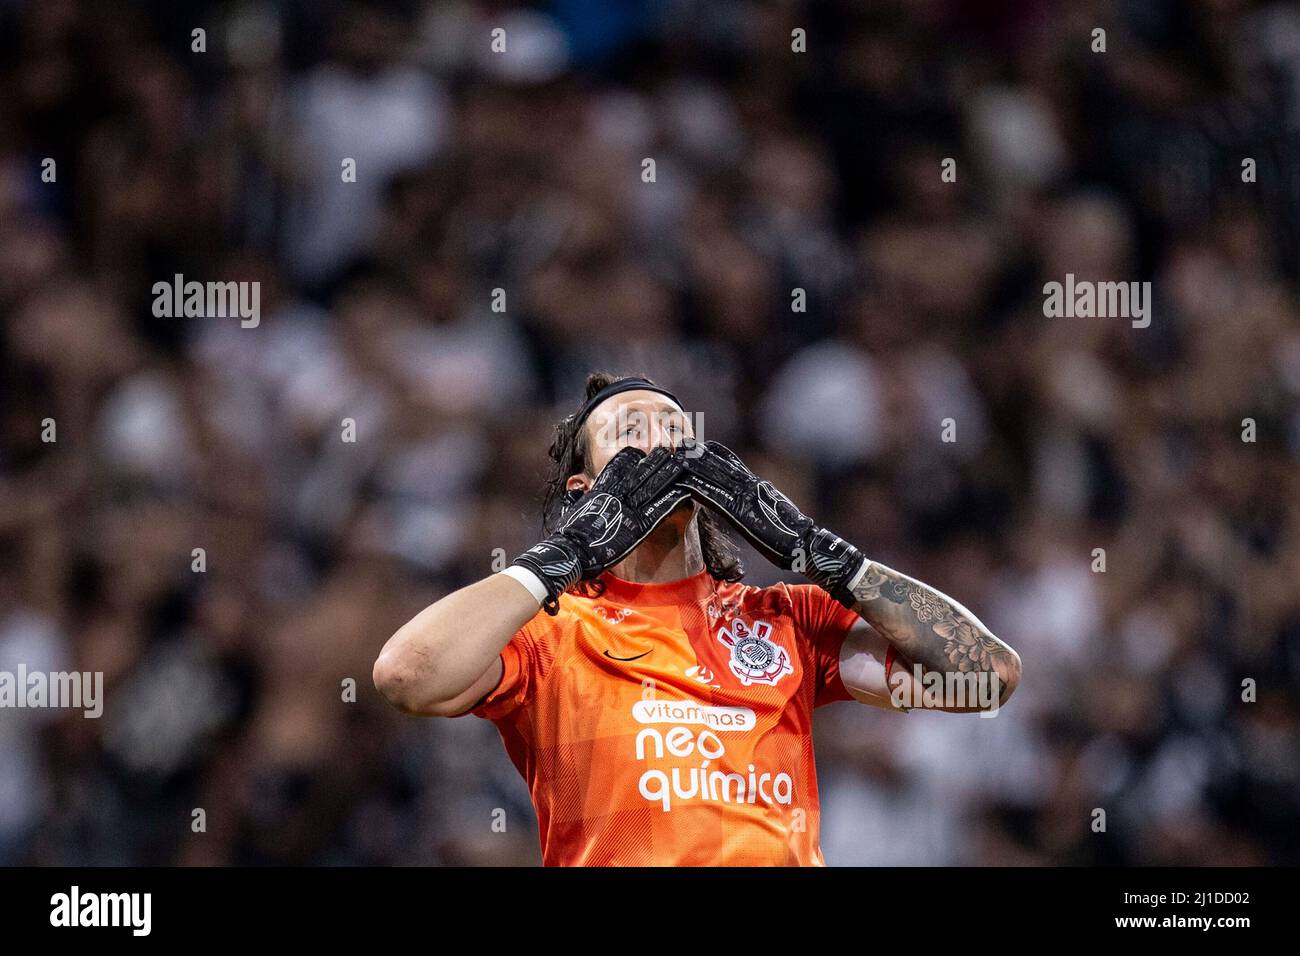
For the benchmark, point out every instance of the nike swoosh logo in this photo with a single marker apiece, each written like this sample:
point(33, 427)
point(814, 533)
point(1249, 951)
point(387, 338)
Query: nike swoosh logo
point(613, 658)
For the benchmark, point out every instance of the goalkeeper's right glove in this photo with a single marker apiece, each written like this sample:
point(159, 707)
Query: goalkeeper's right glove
point(631, 495)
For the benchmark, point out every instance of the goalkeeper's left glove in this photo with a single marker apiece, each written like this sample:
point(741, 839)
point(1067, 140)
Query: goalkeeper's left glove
point(780, 531)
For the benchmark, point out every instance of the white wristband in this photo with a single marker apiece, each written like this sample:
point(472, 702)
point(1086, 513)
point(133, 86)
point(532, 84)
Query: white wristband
point(866, 563)
point(529, 580)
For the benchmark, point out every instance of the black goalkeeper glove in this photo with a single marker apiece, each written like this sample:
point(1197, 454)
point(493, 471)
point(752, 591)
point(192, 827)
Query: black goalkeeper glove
point(631, 495)
point(771, 522)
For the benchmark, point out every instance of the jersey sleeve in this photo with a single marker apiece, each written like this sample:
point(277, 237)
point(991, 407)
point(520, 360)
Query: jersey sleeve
point(821, 624)
point(521, 664)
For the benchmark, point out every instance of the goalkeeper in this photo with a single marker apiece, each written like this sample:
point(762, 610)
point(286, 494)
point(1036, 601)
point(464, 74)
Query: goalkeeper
point(660, 710)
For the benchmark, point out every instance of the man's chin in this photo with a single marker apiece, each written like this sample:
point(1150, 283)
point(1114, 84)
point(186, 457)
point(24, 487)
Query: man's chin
point(680, 517)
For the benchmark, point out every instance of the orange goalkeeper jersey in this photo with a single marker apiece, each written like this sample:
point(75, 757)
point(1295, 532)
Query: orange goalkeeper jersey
point(671, 724)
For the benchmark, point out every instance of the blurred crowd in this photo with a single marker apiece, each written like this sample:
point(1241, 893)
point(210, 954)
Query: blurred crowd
point(795, 267)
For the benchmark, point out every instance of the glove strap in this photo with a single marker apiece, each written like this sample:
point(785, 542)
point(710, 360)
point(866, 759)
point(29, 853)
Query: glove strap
point(834, 564)
point(555, 565)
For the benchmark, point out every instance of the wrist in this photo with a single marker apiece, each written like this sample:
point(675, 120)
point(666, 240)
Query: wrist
point(531, 581)
point(852, 583)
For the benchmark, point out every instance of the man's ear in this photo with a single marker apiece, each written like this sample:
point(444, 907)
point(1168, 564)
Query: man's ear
point(578, 483)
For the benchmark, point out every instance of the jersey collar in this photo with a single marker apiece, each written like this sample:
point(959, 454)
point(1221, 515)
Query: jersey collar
point(697, 587)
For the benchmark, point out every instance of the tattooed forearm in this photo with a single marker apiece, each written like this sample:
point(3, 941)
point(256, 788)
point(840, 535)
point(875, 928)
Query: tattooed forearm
point(930, 628)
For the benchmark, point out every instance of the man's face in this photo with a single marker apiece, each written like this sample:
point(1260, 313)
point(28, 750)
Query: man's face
point(640, 418)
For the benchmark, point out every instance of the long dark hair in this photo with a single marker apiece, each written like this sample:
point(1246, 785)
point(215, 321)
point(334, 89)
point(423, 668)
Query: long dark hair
point(570, 454)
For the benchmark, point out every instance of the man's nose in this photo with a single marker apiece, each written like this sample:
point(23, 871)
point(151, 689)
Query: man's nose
point(663, 438)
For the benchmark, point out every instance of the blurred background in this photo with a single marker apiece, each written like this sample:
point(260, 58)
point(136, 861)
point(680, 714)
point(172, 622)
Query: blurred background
point(521, 171)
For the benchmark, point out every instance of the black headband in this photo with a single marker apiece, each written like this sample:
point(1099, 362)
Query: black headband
point(622, 385)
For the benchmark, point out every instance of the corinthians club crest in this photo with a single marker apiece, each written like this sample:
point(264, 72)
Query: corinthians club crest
point(755, 657)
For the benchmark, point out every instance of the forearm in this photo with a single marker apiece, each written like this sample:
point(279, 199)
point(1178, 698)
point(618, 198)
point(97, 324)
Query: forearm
point(931, 629)
point(440, 653)
point(921, 624)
